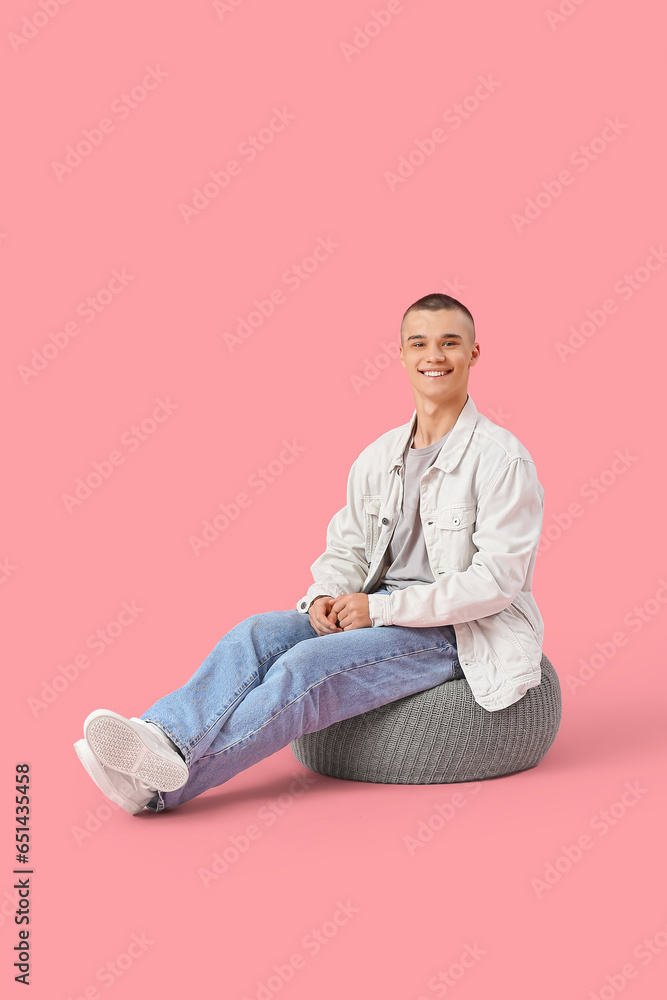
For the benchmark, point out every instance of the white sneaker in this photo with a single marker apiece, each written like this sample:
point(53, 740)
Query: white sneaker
point(135, 748)
point(128, 793)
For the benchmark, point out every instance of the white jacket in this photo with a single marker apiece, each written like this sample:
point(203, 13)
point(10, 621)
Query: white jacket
point(481, 509)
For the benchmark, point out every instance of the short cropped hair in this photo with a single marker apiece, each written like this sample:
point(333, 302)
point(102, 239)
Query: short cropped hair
point(436, 301)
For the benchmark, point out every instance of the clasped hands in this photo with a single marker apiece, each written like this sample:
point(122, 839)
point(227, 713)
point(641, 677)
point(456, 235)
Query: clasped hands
point(349, 610)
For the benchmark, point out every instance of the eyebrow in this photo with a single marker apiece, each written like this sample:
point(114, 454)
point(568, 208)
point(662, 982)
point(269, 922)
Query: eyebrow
point(421, 336)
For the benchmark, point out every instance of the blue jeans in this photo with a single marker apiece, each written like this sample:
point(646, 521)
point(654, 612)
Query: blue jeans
point(272, 678)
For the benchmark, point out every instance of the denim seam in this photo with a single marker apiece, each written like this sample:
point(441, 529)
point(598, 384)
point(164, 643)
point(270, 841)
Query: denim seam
point(231, 705)
point(345, 670)
point(188, 749)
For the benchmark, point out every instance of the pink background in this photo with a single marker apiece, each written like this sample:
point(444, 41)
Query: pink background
point(102, 876)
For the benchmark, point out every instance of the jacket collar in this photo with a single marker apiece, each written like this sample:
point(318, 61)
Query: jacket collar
point(450, 454)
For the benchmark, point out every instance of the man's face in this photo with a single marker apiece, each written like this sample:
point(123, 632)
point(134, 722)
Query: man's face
point(438, 341)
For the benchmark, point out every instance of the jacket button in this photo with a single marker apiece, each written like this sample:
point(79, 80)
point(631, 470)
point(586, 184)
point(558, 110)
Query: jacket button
point(430, 522)
point(456, 520)
point(385, 520)
point(303, 604)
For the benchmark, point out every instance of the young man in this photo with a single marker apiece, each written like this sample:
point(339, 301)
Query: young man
point(426, 577)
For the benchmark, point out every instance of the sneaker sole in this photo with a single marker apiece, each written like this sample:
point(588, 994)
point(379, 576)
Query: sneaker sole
point(96, 772)
point(117, 743)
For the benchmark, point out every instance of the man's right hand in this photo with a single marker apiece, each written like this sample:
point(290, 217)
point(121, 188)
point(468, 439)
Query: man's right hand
point(322, 618)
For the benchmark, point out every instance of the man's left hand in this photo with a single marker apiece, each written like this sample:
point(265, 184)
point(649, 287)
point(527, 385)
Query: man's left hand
point(352, 611)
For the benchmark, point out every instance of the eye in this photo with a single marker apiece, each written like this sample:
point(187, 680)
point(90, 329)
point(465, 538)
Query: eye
point(420, 343)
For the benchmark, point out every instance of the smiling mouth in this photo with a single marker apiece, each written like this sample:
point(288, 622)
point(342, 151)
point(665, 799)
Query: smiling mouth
point(435, 373)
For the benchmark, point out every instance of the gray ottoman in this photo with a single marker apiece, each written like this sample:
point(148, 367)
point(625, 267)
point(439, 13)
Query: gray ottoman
point(437, 736)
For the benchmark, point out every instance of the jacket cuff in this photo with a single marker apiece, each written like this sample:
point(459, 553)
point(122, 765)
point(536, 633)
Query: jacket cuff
point(316, 590)
point(379, 608)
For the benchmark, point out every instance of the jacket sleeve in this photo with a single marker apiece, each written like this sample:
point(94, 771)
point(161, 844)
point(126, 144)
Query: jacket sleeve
point(342, 568)
point(507, 530)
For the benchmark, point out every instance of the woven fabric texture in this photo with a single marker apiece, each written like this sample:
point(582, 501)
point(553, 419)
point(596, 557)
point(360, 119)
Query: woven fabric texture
point(437, 736)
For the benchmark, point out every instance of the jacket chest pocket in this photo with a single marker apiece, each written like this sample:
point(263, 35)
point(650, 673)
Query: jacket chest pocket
point(456, 525)
point(372, 513)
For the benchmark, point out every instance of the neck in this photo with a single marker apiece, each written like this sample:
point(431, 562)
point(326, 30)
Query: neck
point(433, 420)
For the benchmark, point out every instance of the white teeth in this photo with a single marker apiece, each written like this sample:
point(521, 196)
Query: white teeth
point(434, 374)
